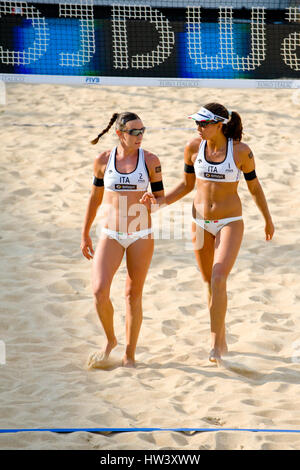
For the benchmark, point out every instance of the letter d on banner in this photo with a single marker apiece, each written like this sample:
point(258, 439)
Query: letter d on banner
point(2, 93)
point(2, 352)
point(157, 56)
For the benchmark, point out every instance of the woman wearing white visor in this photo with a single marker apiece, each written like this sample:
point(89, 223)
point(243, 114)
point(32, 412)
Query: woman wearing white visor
point(214, 161)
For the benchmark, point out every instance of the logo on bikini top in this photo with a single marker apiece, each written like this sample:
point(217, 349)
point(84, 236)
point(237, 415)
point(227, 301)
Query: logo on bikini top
point(126, 187)
point(212, 172)
point(214, 176)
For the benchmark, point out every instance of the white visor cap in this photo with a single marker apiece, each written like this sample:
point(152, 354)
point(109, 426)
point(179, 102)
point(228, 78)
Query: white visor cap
point(205, 115)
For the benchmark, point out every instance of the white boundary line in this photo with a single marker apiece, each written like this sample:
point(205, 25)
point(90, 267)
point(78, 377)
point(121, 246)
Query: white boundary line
point(155, 81)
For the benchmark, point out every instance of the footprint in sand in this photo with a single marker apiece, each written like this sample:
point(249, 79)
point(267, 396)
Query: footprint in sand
point(60, 287)
point(190, 310)
point(188, 286)
point(169, 273)
point(241, 369)
point(214, 420)
point(99, 360)
point(169, 327)
point(25, 192)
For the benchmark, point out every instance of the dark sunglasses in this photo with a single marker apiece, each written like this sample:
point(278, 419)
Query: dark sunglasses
point(135, 132)
point(204, 123)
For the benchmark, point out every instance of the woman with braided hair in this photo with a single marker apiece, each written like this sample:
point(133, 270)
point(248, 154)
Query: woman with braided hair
point(214, 161)
point(121, 178)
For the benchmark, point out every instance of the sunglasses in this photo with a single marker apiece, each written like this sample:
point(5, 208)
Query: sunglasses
point(204, 123)
point(135, 132)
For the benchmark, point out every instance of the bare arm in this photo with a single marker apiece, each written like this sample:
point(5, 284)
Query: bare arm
point(156, 199)
point(188, 182)
point(255, 189)
point(94, 202)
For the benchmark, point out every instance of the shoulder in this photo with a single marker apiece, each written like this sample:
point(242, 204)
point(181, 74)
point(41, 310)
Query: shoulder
point(193, 145)
point(153, 165)
point(100, 163)
point(241, 148)
point(243, 156)
point(151, 159)
point(191, 148)
point(102, 158)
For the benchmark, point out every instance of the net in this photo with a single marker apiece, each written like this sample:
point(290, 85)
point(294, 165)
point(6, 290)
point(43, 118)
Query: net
point(238, 43)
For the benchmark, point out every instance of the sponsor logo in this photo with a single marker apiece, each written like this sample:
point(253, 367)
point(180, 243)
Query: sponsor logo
point(92, 80)
point(181, 83)
point(12, 78)
point(215, 176)
point(125, 186)
point(274, 84)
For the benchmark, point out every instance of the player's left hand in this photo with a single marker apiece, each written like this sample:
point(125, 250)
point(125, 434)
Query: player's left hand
point(148, 199)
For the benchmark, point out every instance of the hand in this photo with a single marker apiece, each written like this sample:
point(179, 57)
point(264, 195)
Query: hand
point(269, 230)
point(87, 247)
point(148, 199)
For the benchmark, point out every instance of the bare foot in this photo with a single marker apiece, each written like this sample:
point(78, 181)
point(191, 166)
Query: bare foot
point(214, 355)
point(217, 352)
point(99, 359)
point(130, 363)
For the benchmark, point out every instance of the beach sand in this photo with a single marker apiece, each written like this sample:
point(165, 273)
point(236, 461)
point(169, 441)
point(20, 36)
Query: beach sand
point(48, 323)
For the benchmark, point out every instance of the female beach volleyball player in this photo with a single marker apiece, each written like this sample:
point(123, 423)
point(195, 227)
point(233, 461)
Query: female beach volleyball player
point(215, 160)
point(121, 177)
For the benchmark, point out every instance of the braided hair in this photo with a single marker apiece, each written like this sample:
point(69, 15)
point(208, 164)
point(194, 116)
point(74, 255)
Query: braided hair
point(120, 119)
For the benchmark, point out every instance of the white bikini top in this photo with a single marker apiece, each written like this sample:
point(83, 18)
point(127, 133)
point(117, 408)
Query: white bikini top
point(224, 172)
point(137, 180)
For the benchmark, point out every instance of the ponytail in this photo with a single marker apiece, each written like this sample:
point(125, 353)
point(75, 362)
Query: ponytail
point(112, 120)
point(233, 129)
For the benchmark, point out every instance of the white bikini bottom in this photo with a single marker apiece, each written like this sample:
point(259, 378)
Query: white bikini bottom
point(214, 226)
point(126, 239)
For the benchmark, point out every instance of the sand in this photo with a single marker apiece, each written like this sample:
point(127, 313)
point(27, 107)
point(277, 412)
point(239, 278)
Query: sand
point(48, 323)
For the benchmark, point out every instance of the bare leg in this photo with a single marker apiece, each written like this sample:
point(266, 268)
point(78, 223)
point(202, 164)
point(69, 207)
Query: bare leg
point(107, 259)
point(228, 242)
point(215, 259)
point(138, 256)
point(204, 254)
